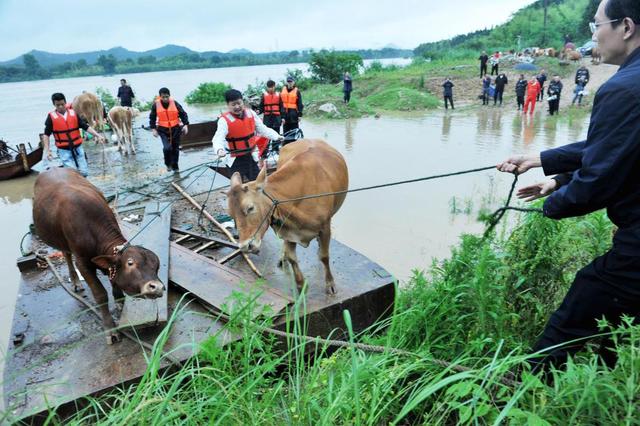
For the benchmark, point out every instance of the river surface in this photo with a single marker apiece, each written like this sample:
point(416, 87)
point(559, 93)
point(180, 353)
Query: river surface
point(402, 227)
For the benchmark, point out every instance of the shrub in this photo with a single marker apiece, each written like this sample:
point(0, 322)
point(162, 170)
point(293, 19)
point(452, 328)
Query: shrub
point(106, 97)
point(208, 93)
point(329, 66)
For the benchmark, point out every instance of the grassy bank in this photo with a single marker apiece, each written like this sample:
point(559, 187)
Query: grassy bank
point(481, 308)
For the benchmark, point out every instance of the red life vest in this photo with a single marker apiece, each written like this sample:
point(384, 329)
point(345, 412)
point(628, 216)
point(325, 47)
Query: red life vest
point(241, 135)
point(271, 103)
point(167, 117)
point(66, 132)
point(289, 98)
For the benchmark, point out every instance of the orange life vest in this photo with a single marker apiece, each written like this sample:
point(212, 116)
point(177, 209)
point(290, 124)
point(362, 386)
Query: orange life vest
point(241, 136)
point(271, 103)
point(533, 89)
point(289, 98)
point(167, 117)
point(66, 132)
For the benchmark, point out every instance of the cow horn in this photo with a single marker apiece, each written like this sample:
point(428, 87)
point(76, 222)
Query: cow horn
point(119, 249)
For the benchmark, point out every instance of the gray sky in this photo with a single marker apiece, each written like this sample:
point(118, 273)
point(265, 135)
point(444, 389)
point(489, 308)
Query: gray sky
point(209, 25)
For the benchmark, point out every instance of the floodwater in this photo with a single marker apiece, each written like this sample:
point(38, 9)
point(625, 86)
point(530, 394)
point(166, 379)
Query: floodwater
point(402, 227)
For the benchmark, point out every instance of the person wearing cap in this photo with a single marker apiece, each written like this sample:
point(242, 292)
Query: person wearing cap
point(235, 138)
point(292, 105)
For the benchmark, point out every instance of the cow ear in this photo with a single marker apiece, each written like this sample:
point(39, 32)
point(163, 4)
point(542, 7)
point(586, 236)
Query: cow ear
point(104, 261)
point(261, 180)
point(236, 180)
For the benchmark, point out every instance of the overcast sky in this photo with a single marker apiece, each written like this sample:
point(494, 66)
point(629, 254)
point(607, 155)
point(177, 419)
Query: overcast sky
point(68, 26)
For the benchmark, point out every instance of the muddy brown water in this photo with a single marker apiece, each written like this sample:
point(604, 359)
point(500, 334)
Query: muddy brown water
point(402, 228)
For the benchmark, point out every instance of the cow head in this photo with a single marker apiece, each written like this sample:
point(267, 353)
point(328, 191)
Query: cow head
point(133, 270)
point(249, 208)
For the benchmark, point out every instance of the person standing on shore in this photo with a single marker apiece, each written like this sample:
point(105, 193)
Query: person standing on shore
point(235, 138)
point(448, 93)
point(64, 124)
point(495, 62)
point(486, 86)
point(553, 94)
point(521, 90)
point(271, 107)
point(169, 120)
point(125, 94)
point(347, 87)
point(533, 87)
point(600, 172)
point(483, 63)
point(542, 78)
point(500, 82)
point(292, 104)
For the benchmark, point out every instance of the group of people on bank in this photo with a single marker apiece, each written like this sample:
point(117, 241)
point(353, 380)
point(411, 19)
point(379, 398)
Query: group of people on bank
point(234, 141)
point(528, 92)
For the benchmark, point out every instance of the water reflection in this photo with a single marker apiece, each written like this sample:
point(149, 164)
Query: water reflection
point(529, 130)
point(446, 125)
point(349, 125)
point(550, 129)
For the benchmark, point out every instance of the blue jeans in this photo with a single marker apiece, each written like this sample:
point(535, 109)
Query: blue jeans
point(79, 162)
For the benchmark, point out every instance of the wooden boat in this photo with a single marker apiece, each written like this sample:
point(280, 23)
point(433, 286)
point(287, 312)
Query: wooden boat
point(21, 163)
point(200, 134)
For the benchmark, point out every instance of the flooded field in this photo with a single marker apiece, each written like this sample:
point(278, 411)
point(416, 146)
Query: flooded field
point(401, 228)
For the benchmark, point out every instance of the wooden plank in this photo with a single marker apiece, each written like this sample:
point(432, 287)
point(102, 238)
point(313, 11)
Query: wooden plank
point(205, 237)
point(155, 237)
point(181, 239)
point(214, 284)
point(204, 246)
point(230, 256)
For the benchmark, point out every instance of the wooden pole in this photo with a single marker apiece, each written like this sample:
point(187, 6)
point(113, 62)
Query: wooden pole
point(23, 155)
point(217, 224)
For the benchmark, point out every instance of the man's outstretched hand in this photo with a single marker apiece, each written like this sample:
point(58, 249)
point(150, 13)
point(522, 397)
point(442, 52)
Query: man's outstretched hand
point(519, 163)
point(537, 190)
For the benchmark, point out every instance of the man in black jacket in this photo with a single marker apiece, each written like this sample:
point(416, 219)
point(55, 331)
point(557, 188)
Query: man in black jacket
point(521, 90)
point(553, 94)
point(448, 92)
point(501, 81)
point(542, 78)
point(125, 94)
point(601, 172)
point(483, 63)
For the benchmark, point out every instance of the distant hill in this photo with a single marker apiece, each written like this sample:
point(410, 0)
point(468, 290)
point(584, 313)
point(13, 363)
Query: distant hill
point(48, 59)
point(564, 17)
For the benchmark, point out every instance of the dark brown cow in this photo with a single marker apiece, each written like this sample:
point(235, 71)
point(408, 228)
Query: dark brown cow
point(308, 166)
point(73, 216)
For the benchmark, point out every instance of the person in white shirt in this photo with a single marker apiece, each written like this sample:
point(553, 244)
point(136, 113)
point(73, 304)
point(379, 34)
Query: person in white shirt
point(235, 138)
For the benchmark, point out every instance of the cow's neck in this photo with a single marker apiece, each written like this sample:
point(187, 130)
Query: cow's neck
point(113, 239)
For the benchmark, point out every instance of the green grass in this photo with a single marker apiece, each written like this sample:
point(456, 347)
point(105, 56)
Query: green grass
point(482, 308)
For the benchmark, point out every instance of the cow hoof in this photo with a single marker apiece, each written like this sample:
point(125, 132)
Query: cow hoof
point(78, 288)
point(281, 263)
point(331, 290)
point(133, 153)
point(113, 337)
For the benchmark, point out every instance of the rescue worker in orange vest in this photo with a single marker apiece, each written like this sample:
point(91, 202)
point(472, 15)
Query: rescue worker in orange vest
point(533, 90)
point(271, 107)
point(64, 124)
point(235, 138)
point(292, 105)
point(169, 120)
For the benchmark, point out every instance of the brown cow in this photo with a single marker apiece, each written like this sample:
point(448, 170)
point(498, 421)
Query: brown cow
point(121, 119)
point(89, 107)
point(73, 216)
point(307, 166)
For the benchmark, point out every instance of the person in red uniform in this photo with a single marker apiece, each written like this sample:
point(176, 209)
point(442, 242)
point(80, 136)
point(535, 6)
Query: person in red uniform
point(64, 124)
point(533, 88)
point(169, 120)
point(237, 135)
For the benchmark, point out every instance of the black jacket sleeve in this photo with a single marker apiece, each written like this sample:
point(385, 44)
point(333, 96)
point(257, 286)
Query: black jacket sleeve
point(609, 156)
point(153, 115)
point(567, 158)
point(82, 123)
point(300, 106)
point(48, 126)
point(261, 106)
point(182, 114)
